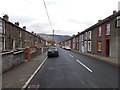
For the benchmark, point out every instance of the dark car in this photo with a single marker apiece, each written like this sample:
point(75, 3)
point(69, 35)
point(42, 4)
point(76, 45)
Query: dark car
point(53, 52)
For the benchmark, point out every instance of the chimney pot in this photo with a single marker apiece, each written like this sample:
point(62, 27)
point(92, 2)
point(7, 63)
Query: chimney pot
point(24, 27)
point(99, 21)
point(6, 17)
point(17, 23)
point(114, 11)
point(32, 32)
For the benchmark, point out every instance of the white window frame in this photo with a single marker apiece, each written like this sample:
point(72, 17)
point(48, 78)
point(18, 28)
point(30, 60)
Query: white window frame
point(98, 45)
point(81, 37)
point(1, 27)
point(89, 35)
point(20, 33)
point(89, 46)
point(86, 35)
point(107, 29)
point(100, 31)
point(118, 21)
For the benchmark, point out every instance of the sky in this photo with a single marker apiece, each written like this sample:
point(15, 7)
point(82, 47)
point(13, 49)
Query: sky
point(68, 17)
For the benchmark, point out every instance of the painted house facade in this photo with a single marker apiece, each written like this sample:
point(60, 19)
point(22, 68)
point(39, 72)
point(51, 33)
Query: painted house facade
point(103, 38)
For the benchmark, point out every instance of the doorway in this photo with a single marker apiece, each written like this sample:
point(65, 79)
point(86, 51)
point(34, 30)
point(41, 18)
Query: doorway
point(107, 47)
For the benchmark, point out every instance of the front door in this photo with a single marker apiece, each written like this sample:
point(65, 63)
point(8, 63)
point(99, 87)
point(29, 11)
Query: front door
point(107, 49)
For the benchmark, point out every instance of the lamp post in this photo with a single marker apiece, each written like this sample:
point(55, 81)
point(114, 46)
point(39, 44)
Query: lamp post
point(53, 36)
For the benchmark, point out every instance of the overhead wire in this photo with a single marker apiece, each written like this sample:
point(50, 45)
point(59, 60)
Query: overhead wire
point(48, 15)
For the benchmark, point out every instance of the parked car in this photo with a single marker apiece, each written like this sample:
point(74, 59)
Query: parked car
point(67, 48)
point(53, 51)
point(63, 47)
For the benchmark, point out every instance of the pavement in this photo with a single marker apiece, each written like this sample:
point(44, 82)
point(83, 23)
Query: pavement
point(19, 75)
point(102, 58)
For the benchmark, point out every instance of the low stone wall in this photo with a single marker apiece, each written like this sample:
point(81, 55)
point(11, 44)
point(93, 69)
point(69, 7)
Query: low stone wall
point(11, 59)
point(37, 52)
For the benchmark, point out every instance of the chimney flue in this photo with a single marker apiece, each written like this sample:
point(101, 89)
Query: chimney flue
point(99, 21)
point(114, 11)
point(6, 17)
point(17, 23)
point(24, 27)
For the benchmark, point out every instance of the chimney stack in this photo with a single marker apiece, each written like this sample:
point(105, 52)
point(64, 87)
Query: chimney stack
point(114, 11)
point(17, 23)
point(24, 27)
point(6, 17)
point(32, 32)
point(99, 21)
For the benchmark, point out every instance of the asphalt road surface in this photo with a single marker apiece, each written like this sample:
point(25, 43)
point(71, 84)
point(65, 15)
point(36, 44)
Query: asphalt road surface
point(73, 70)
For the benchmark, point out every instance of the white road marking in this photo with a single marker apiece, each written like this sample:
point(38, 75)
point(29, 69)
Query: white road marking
point(71, 55)
point(84, 66)
point(26, 84)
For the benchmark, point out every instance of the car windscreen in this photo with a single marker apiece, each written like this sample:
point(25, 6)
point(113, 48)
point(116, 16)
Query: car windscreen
point(52, 49)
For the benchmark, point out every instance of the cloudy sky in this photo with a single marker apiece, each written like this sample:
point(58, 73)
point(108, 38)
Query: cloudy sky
point(68, 17)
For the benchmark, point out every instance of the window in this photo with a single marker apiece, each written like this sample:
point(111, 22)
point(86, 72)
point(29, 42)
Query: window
point(100, 31)
point(20, 34)
point(118, 21)
point(89, 35)
point(99, 46)
point(81, 37)
point(86, 36)
point(1, 28)
point(1, 43)
point(74, 39)
point(89, 46)
point(107, 29)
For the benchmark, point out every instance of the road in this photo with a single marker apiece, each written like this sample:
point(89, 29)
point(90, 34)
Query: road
point(73, 70)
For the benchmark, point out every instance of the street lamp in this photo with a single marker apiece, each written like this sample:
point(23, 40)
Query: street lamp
point(53, 36)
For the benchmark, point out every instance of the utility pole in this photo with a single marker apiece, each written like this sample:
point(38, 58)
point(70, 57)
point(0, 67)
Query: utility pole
point(53, 36)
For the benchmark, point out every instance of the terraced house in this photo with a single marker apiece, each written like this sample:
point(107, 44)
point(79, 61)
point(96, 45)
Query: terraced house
point(103, 38)
point(13, 37)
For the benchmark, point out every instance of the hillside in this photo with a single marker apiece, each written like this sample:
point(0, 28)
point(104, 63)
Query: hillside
point(59, 38)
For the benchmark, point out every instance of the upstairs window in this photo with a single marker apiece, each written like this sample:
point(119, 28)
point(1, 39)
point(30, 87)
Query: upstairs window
point(89, 35)
point(107, 29)
point(81, 38)
point(1, 28)
point(85, 35)
point(118, 21)
point(99, 31)
point(20, 34)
